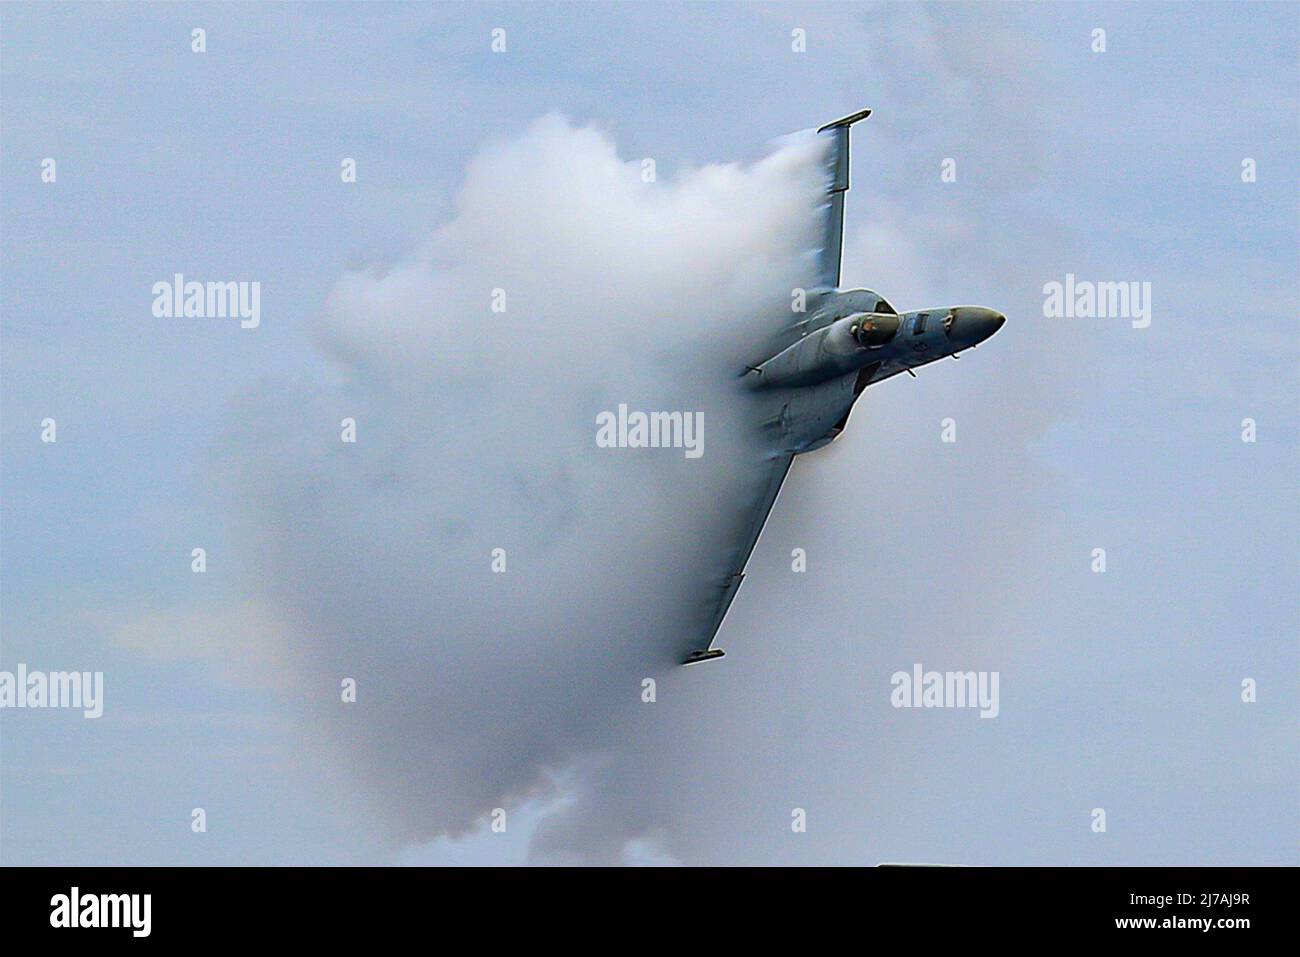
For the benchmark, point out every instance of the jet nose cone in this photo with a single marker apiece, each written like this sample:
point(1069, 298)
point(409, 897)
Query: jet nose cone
point(971, 325)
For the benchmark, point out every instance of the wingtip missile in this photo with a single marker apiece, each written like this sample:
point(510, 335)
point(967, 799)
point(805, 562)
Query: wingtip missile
point(695, 657)
point(845, 121)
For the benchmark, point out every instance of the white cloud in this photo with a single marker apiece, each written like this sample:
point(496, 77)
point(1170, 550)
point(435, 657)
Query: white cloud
point(476, 431)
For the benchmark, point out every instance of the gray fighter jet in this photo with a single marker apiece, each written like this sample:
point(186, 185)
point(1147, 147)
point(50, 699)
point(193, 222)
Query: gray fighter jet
point(843, 342)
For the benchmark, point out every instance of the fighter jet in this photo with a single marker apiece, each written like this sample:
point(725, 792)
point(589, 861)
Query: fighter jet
point(844, 341)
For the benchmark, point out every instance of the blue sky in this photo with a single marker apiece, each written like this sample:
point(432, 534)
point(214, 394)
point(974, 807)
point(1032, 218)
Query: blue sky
point(1120, 690)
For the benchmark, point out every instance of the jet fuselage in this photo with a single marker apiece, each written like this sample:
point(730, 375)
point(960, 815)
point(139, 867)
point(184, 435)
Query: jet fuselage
point(851, 340)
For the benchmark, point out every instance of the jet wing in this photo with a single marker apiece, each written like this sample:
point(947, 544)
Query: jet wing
point(765, 478)
point(837, 178)
point(751, 515)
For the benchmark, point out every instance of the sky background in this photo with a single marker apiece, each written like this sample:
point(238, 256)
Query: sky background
point(1120, 691)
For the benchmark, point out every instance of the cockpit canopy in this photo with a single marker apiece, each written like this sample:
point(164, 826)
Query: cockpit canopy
point(874, 329)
